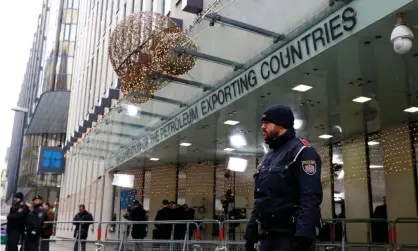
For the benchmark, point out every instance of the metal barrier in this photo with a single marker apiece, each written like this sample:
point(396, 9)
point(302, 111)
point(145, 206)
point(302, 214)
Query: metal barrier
point(192, 239)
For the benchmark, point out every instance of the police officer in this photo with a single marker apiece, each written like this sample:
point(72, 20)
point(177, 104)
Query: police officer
point(34, 223)
point(288, 189)
point(16, 222)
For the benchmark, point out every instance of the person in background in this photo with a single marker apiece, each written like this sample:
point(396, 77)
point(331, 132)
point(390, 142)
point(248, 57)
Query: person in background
point(82, 229)
point(16, 222)
point(137, 214)
point(34, 223)
point(47, 229)
point(190, 215)
point(163, 231)
point(380, 231)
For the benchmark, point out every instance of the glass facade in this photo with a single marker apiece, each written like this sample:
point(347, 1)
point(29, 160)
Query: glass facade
point(28, 175)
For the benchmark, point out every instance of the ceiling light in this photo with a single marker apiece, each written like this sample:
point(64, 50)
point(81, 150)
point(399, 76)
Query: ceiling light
point(154, 159)
point(231, 122)
point(185, 144)
point(132, 110)
point(373, 143)
point(325, 136)
point(229, 149)
point(297, 124)
point(302, 88)
point(237, 140)
point(237, 164)
point(411, 109)
point(362, 99)
point(375, 166)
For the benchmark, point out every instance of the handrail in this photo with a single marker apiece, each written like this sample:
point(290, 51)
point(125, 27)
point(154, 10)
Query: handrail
point(223, 239)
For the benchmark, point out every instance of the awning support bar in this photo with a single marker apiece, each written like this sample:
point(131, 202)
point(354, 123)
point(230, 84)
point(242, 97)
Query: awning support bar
point(162, 99)
point(210, 58)
point(213, 17)
point(205, 87)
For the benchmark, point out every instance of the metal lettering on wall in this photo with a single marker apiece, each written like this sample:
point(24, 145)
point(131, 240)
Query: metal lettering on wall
point(319, 38)
point(51, 160)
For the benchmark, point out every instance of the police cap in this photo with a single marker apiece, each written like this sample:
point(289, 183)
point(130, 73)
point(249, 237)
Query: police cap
point(37, 197)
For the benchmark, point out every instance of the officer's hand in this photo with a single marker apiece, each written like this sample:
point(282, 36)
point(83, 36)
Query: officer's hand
point(249, 246)
point(302, 243)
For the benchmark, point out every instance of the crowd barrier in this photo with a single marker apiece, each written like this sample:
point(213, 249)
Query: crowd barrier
point(223, 236)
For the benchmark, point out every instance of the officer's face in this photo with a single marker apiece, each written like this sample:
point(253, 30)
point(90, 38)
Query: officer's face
point(270, 130)
point(37, 202)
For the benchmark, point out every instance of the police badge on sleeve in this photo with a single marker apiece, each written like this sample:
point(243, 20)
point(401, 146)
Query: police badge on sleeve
point(309, 167)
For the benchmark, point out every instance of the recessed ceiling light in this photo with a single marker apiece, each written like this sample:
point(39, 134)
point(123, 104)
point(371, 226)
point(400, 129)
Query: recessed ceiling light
point(185, 144)
point(362, 99)
point(231, 122)
point(325, 136)
point(302, 88)
point(154, 159)
point(373, 143)
point(411, 109)
point(229, 149)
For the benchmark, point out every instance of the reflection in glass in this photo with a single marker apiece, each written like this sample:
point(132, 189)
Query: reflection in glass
point(181, 185)
point(377, 174)
point(338, 171)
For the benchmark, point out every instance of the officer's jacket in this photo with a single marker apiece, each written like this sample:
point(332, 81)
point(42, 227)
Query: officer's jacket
point(35, 220)
point(288, 189)
point(17, 216)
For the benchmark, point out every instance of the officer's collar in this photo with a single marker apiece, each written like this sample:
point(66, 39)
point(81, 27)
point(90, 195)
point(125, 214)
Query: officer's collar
point(278, 141)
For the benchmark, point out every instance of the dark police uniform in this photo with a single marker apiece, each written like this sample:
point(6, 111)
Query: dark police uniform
point(34, 223)
point(16, 223)
point(288, 194)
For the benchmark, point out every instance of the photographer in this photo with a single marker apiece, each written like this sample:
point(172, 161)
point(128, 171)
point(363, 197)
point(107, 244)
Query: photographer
point(137, 213)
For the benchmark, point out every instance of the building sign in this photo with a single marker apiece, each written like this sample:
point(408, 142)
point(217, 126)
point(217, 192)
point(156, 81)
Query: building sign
point(339, 26)
point(51, 160)
point(127, 196)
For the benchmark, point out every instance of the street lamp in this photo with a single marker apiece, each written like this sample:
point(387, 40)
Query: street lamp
point(25, 112)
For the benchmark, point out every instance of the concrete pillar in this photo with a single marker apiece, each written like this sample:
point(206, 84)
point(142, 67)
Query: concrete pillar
point(356, 188)
point(400, 185)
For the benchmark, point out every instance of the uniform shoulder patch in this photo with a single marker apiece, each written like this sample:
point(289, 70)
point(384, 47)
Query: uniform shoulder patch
point(309, 167)
point(305, 142)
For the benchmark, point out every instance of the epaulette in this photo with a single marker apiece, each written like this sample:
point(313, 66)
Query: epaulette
point(305, 142)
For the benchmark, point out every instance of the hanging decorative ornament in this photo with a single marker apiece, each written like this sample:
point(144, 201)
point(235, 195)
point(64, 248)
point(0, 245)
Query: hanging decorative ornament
point(171, 62)
point(140, 49)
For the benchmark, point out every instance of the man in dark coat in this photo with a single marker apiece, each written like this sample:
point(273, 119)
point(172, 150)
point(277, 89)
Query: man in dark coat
point(33, 225)
point(16, 222)
point(163, 231)
point(82, 229)
point(137, 214)
point(288, 191)
point(380, 232)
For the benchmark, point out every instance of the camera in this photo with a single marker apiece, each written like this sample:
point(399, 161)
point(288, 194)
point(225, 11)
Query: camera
point(401, 36)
